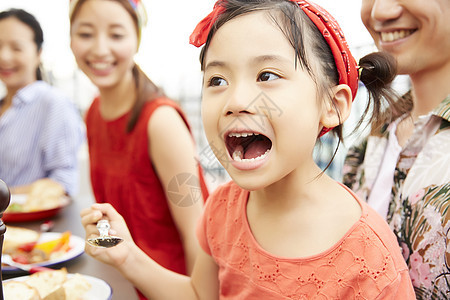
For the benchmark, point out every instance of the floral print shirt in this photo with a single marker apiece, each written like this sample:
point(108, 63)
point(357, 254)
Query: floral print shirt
point(419, 209)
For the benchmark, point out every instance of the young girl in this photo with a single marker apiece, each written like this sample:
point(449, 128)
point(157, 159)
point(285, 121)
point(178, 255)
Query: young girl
point(277, 75)
point(142, 155)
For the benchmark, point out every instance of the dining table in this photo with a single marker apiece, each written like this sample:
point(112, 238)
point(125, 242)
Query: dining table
point(68, 219)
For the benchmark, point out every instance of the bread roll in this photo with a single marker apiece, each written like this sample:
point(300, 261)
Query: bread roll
point(57, 294)
point(15, 290)
point(16, 236)
point(44, 194)
point(76, 286)
point(48, 285)
point(47, 282)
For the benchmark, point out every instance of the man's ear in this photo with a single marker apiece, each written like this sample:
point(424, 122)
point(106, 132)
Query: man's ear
point(338, 109)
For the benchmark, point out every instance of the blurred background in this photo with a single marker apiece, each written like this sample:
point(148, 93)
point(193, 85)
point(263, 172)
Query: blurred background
point(168, 59)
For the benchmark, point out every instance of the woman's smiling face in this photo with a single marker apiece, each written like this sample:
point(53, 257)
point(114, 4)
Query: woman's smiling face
point(104, 41)
point(260, 110)
point(19, 56)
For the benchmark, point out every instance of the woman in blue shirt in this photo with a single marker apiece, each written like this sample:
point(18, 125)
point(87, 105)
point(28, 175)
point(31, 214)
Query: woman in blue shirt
point(40, 128)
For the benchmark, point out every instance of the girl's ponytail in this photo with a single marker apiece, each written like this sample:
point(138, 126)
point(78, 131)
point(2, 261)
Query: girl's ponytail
point(377, 71)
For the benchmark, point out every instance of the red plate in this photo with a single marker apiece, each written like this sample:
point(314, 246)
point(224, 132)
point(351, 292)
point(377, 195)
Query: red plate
point(11, 217)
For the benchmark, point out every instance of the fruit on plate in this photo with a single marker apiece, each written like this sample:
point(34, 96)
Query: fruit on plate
point(53, 248)
point(24, 246)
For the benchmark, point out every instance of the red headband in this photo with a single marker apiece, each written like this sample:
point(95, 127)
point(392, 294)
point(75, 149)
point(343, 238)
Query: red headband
point(330, 29)
point(201, 31)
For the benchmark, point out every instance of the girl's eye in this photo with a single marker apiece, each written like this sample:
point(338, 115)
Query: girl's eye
point(217, 81)
point(267, 76)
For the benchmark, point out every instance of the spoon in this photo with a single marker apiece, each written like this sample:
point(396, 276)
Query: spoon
point(104, 240)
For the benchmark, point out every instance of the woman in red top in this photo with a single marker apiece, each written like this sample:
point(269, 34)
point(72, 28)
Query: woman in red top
point(142, 154)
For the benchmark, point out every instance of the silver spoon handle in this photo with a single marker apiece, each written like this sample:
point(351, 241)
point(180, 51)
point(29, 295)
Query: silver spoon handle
point(103, 227)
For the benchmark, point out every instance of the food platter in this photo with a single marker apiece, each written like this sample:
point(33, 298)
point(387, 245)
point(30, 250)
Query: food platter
point(76, 249)
point(11, 217)
point(100, 290)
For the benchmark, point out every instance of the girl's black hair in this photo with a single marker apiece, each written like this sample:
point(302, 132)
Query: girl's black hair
point(314, 55)
point(30, 20)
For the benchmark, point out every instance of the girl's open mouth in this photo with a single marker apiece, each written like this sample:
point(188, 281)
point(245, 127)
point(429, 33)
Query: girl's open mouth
point(247, 146)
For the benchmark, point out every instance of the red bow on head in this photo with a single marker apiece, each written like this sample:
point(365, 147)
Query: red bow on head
point(201, 31)
point(328, 26)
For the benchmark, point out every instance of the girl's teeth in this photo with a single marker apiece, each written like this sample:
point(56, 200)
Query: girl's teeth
point(242, 134)
point(237, 156)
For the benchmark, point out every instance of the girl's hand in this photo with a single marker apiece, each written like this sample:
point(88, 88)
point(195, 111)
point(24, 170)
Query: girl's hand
point(116, 255)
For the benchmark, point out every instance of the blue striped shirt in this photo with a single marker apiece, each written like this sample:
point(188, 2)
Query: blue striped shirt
point(40, 135)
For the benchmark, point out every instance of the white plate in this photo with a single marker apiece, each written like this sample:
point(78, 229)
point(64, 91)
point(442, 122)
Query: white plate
point(18, 198)
point(100, 289)
point(76, 249)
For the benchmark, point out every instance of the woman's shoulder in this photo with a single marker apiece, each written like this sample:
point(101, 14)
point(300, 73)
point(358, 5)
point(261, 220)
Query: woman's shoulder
point(48, 91)
point(39, 92)
point(151, 105)
point(167, 108)
point(52, 98)
point(49, 101)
